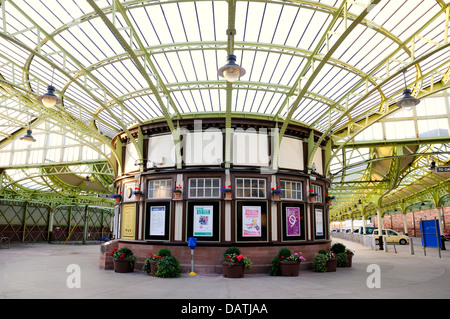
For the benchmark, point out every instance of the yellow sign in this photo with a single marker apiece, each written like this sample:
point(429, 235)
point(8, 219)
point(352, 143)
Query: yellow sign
point(128, 221)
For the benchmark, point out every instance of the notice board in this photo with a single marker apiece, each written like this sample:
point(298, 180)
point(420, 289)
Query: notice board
point(430, 233)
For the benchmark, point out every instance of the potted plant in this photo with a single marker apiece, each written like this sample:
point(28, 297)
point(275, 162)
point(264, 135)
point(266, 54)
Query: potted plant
point(324, 261)
point(124, 260)
point(117, 197)
point(163, 264)
point(331, 262)
point(276, 192)
point(235, 263)
point(137, 193)
point(328, 199)
point(275, 262)
point(227, 191)
point(290, 265)
point(312, 195)
point(150, 264)
point(177, 192)
point(345, 258)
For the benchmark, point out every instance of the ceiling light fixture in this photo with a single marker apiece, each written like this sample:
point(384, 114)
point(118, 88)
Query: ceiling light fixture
point(407, 101)
point(49, 99)
point(28, 138)
point(231, 71)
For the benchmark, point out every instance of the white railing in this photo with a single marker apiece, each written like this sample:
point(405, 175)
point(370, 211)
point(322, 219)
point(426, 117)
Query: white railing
point(366, 240)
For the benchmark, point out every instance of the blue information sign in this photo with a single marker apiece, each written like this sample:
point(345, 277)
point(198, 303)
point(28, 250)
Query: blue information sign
point(429, 230)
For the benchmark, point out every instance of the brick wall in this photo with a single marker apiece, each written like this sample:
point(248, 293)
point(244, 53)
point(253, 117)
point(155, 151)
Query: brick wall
point(396, 222)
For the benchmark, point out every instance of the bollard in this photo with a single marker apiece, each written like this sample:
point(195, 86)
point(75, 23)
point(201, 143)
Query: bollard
point(385, 244)
point(380, 242)
point(192, 242)
point(411, 246)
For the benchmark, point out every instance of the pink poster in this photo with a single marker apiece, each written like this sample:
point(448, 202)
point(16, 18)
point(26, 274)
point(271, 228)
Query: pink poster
point(292, 221)
point(251, 221)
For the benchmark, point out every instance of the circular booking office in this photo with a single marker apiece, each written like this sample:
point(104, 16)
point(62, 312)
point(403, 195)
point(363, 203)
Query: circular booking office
point(223, 186)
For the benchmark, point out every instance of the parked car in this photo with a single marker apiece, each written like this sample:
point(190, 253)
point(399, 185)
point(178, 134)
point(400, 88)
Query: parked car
point(392, 236)
point(369, 230)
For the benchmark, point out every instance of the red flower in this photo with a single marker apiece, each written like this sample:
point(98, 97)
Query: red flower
point(159, 256)
point(123, 254)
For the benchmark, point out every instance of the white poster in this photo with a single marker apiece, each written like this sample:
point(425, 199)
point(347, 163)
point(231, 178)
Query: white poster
point(251, 221)
point(319, 222)
point(157, 220)
point(203, 220)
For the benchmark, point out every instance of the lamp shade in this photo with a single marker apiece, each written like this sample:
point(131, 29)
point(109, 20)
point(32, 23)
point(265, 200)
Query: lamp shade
point(28, 137)
point(231, 71)
point(407, 101)
point(49, 99)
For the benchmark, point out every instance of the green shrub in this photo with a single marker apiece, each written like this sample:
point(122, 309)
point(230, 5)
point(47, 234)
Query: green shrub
point(168, 267)
point(164, 252)
point(337, 248)
point(232, 250)
point(323, 251)
point(319, 263)
point(342, 259)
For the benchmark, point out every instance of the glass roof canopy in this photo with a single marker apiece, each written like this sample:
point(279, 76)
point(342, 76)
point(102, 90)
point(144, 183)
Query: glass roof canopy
point(336, 66)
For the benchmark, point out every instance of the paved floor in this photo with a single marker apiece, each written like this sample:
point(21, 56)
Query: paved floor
point(38, 271)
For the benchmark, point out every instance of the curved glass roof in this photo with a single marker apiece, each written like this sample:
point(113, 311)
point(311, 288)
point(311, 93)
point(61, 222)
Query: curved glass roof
point(336, 66)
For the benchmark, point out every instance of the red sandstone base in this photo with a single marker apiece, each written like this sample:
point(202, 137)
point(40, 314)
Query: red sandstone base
point(208, 259)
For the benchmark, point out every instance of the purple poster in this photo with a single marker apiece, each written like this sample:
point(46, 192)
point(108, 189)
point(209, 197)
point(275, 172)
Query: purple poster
point(292, 221)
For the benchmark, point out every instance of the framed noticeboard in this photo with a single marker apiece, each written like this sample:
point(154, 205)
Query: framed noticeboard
point(157, 221)
point(128, 227)
point(319, 222)
point(203, 220)
point(293, 221)
point(251, 221)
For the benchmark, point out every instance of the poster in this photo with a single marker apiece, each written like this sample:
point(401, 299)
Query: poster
point(157, 220)
point(292, 221)
point(203, 220)
point(128, 221)
point(251, 221)
point(319, 222)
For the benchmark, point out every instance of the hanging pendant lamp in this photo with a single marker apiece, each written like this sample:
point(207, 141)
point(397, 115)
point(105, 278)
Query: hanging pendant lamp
point(49, 99)
point(231, 71)
point(407, 101)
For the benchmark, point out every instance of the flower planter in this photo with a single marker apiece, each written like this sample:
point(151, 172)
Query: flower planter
point(153, 267)
point(228, 195)
point(349, 260)
point(137, 196)
point(329, 201)
point(117, 200)
point(276, 197)
point(233, 270)
point(331, 264)
point(289, 268)
point(312, 199)
point(123, 265)
point(176, 195)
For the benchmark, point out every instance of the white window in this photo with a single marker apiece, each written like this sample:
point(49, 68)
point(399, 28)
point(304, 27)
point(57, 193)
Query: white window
point(161, 188)
point(250, 188)
point(291, 190)
point(318, 190)
point(204, 187)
